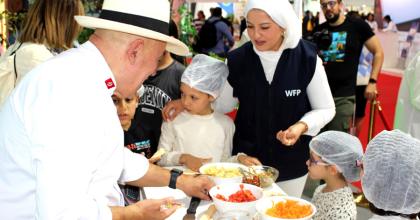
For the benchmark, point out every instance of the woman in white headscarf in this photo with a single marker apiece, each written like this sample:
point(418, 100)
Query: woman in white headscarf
point(283, 93)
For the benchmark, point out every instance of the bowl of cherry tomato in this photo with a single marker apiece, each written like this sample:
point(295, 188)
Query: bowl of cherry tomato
point(236, 197)
point(285, 208)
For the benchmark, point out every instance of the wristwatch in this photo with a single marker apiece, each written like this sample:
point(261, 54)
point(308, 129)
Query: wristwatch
point(175, 173)
point(371, 80)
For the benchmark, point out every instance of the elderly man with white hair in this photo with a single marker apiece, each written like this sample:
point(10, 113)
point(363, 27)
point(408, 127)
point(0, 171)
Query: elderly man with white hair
point(62, 151)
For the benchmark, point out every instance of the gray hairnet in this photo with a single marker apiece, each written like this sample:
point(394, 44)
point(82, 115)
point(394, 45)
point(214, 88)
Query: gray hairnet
point(206, 74)
point(281, 11)
point(341, 149)
point(391, 166)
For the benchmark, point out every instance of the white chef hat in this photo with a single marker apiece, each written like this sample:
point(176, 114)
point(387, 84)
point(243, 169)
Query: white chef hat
point(206, 74)
point(391, 166)
point(340, 149)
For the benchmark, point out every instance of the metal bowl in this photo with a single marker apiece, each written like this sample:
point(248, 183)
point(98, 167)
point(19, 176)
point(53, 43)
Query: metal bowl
point(266, 174)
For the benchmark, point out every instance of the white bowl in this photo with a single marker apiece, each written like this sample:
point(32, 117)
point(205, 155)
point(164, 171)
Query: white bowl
point(221, 180)
point(228, 189)
point(267, 202)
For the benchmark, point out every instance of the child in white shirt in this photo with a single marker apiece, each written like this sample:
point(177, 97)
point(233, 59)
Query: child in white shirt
point(199, 134)
point(335, 157)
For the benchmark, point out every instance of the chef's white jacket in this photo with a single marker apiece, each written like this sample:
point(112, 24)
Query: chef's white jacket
point(61, 142)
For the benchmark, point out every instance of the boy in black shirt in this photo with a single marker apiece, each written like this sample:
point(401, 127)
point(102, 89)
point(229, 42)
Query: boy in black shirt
point(137, 142)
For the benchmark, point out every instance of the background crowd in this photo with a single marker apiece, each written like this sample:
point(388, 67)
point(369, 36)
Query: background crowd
point(83, 128)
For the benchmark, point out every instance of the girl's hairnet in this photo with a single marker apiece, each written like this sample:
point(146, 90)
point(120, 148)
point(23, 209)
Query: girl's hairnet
point(391, 166)
point(281, 11)
point(206, 74)
point(341, 149)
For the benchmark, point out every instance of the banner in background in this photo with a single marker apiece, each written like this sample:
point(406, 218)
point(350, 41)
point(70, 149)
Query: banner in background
point(228, 7)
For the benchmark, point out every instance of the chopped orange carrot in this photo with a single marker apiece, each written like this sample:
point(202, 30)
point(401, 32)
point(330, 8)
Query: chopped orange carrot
point(290, 210)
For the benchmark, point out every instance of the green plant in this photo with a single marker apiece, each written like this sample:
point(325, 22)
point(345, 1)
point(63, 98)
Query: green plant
point(14, 20)
point(84, 35)
point(188, 31)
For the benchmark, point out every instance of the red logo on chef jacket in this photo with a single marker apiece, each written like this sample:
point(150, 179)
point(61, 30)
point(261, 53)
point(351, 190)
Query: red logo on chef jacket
point(109, 83)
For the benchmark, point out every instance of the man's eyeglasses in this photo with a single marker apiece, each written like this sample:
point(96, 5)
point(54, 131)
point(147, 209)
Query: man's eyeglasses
point(330, 4)
point(312, 162)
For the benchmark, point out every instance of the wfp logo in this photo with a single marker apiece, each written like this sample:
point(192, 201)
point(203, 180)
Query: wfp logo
point(292, 92)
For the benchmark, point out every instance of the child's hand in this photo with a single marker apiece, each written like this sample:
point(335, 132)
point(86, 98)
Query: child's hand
point(193, 163)
point(172, 109)
point(154, 159)
point(292, 134)
point(248, 161)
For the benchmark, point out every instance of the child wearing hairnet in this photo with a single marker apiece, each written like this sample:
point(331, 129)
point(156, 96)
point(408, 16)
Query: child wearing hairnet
point(391, 176)
point(335, 157)
point(199, 134)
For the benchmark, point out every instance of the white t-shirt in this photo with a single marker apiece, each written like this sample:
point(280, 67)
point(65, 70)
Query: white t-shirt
point(391, 26)
point(29, 56)
point(202, 136)
point(61, 142)
point(338, 204)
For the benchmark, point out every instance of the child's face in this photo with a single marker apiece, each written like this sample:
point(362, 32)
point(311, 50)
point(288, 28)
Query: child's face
point(318, 169)
point(194, 101)
point(126, 108)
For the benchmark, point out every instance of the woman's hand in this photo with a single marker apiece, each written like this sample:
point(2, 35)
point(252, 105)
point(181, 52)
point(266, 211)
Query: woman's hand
point(193, 163)
point(248, 160)
point(172, 109)
point(292, 134)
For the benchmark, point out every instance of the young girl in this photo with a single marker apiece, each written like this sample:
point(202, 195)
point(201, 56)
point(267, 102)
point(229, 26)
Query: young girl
point(335, 157)
point(199, 134)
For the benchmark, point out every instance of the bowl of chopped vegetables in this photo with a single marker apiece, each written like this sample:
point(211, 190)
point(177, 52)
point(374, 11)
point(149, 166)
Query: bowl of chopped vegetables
point(263, 176)
point(284, 208)
point(223, 172)
point(236, 197)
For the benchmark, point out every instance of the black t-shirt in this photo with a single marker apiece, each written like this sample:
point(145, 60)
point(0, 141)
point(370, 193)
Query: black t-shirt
point(138, 141)
point(341, 59)
point(159, 90)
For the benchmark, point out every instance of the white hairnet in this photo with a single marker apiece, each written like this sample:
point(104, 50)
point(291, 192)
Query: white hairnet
point(206, 74)
point(341, 149)
point(391, 166)
point(281, 11)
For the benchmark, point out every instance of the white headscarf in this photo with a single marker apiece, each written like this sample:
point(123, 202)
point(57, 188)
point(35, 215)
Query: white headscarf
point(281, 11)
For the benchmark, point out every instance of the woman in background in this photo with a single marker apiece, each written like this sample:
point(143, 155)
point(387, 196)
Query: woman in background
point(389, 25)
point(370, 19)
point(48, 29)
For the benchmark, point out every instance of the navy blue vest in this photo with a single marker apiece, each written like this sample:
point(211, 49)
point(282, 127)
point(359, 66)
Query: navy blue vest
point(265, 109)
